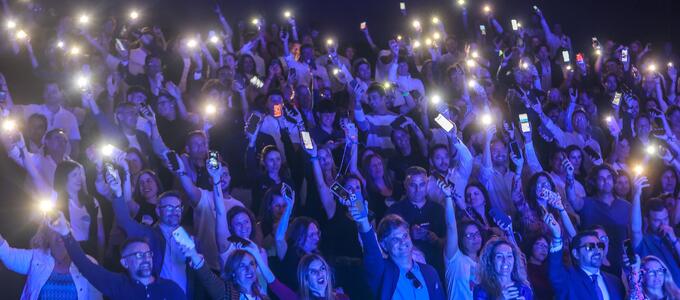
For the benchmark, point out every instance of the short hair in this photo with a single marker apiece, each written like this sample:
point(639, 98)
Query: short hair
point(576, 241)
point(654, 205)
point(437, 147)
point(170, 193)
point(133, 240)
point(213, 84)
point(415, 170)
point(358, 62)
point(388, 224)
point(376, 88)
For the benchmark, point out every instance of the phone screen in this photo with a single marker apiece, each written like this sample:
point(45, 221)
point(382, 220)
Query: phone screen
point(362, 26)
point(524, 123)
point(120, 46)
point(306, 140)
point(482, 28)
point(172, 158)
point(339, 191)
point(444, 122)
point(213, 161)
point(617, 98)
point(565, 56)
point(402, 5)
point(514, 24)
point(515, 149)
point(628, 250)
point(182, 237)
point(278, 110)
point(624, 55)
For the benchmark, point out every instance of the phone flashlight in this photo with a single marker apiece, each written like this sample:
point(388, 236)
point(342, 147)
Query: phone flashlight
point(9, 125)
point(487, 119)
point(435, 20)
point(134, 15)
point(416, 24)
point(210, 109)
point(435, 99)
point(107, 150)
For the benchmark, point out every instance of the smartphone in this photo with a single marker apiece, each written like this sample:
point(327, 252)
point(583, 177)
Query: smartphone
point(402, 5)
point(590, 151)
point(624, 55)
point(514, 24)
point(182, 237)
point(659, 131)
point(565, 56)
point(617, 98)
point(338, 190)
point(579, 58)
point(306, 139)
point(514, 147)
point(278, 110)
point(110, 170)
point(535, 8)
point(524, 123)
point(362, 26)
point(628, 250)
point(596, 43)
point(253, 120)
point(425, 226)
point(500, 217)
point(444, 122)
point(213, 160)
point(256, 82)
point(120, 46)
point(172, 158)
point(287, 191)
point(482, 28)
point(399, 121)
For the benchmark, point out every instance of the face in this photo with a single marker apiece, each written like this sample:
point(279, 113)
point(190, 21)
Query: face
point(543, 53)
point(416, 187)
point(101, 185)
point(169, 210)
point(654, 274)
point(503, 260)
point(402, 141)
point(474, 196)
point(148, 186)
point(127, 116)
point(376, 101)
point(137, 98)
point(402, 69)
point(327, 119)
point(539, 251)
point(242, 225)
point(36, 128)
point(311, 243)
point(472, 241)
point(166, 108)
point(441, 160)
point(248, 64)
point(643, 127)
point(364, 72)
point(134, 161)
point(307, 54)
point(398, 243)
point(668, 181)
point(542, 183)
point(604, 181)
point(57, 144)
point(272, 101)
point(57, 249)
point(317, 277)
point(623, 149)
point(611, 84)
point(225, 178)
point(657, 219)
point(246, 273)
point(272, 161)
point(75, 180)
point(580, 121)
point(52, 94)
point(589, 257)
point(556, 161)
point(325, 159)
point(197, 147)
point(622, 185)
point(499, 153)
point(575, 158)
point(137, 259)
point(278, 206)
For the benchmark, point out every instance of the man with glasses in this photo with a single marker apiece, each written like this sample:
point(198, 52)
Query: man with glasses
point(136, 257)
point(585, 279)
point(399, 276)
point(170, 262)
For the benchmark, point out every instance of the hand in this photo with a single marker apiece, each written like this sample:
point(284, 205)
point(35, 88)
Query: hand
point(667, 232)
point(666, 155)
point(283, 35)
point(148, 114)
point(510, 293)
point(59, 225)
point(555, 229)
point(314, 151)
point(215, 173)
point(285, 190)
point(556, 202)
point(418, 232)
point(509, 129)
point(639, 182)
point(112, 83)
point(573, 95)
point(568, 168)
point(518, 160)
point(114, 184)
point(490, 133)
point(173, 90)
point(445, 187)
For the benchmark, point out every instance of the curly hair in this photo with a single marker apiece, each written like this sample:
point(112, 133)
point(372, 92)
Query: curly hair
point(487, 272)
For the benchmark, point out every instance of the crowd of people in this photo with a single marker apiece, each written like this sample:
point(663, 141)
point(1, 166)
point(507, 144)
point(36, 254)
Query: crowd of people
point(266, 160)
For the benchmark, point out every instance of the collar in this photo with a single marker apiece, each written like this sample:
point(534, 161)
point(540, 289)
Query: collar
point(590, 273)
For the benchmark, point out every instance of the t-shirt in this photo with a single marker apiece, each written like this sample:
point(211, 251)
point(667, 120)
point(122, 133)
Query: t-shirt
point(174, 262)
point(204, 223)
point(63, 119)
point(460, 276)
point(80, 220)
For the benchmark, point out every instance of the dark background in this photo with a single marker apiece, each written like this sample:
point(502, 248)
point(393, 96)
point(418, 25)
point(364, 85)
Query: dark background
point(622, 20)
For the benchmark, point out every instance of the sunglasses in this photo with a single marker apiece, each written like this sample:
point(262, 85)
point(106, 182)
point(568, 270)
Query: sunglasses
point(140, 255)
point(592, 246)
point(416, 283)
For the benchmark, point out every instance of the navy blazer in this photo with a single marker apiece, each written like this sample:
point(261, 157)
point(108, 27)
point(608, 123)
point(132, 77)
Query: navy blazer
point(383, 274)
point(573, 283)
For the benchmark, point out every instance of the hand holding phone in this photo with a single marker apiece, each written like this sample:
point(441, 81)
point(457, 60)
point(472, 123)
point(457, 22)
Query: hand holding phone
point(182, 237)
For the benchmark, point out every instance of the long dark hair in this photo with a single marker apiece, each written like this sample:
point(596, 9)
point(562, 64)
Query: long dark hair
point(61, 175)
point(297, 234)
point(255, 233)
point(137, 194)
point(232, 264)
point(530, 194)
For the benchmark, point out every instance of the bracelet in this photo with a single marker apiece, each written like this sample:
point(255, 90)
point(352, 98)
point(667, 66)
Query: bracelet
point(199, 264)
point(405, 94)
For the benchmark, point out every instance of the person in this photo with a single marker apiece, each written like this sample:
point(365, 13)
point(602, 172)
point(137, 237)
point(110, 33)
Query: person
point(501, 272)
point(398, 276)
point(536, 249)
point(145, 196)
point(649, 279)
point(461, 252)
point(50, 272)
point(584, 280)
point(425, 217)
point(136, 253)
point(659, 239)
point(377, 123)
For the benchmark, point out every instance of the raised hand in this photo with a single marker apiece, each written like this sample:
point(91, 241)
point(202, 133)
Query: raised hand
point(555, 229)
point(114, 183)
point(568, 168)
point(59, 225)
point(639, 183)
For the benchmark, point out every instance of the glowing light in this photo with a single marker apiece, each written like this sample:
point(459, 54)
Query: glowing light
point(638, 169)
point(21, 35)
point(487, 119)
point(569, 67)
point(475, 54)
point(470, 63)
point(107, 150)
point(461, 2)
point(287, 14)
point(82, 81)
point(416, 44)
point(428, 42)
point(9, 125)
point(650, 149)
point(214, 39)
point(336, 71)
point(329, 42)
point(255, 21)
point(210, 109)
point(435, 99)
point(60, 44)
point(435, 20)
point(399, 38)
point(11, 24)
point(45, 206)
point(670, 64)
point(525, 65)
point(472, 83)
point(436, 36)
point(84, 19)
point(75, 50)
point(598, 52)
point(387, 85)
point(416, 24)
point(608, 119)
point(487, 9)
point(192, 43)
point(651, 68)
point(134, 15)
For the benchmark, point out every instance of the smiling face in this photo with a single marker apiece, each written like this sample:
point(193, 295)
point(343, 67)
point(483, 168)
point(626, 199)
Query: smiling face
point(242, 225)
point(246, 273)
point(272, 162)
point(441, 160)
point(398, 243)
point(317, 276)
point(654, 274)
point(136, 261)
point(169, 210)
point(589, 258)
point(148, 187)
point(503, 260)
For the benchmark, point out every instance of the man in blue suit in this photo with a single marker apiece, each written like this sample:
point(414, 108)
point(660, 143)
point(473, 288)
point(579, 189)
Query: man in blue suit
point(584, 280)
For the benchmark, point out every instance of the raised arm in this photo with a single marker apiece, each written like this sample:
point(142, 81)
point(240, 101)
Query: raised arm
point(451, 246)
point(188, 186)
point(640, 182)
point(17, 260)
point(280, 235)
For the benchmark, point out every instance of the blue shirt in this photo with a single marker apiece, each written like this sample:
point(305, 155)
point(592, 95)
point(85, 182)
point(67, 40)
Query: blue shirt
point(406, 287)
point(615, 219)
point(652, 244)
point(59, 287)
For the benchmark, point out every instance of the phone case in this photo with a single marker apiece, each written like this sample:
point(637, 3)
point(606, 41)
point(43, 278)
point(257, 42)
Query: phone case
point(182, 237)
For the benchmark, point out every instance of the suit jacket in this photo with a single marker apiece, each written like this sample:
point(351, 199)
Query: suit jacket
point(383, 274)
point(573, 283)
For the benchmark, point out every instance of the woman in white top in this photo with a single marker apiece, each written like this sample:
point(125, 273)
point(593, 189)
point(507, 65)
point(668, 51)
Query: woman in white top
point(49, 269)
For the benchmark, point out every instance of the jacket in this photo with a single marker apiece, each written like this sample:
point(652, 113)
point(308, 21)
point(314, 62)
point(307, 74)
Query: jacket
point(38, 265)
point(573, 283)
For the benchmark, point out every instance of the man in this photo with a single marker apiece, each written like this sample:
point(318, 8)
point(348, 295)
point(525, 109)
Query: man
point(169, 262)
point(57, 116)
point(425, 217)
point(326, 133)
point(136, 258)
point(659, 240)
point(495, 173)
point(605, 209)
point(440, 162)
point(584, 280)
point(378, 123)
point(398, 276)
point(278, 119)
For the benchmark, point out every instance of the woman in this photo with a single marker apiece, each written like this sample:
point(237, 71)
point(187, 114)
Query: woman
point(501, 272)
point(145, 196)
point(477, 201)
point(623, 185)
point(240, 276)
point(51, 275)
point(575, 156)
point(316, 280)
point(542, 197)
point(381, 191)
point(668, 182)
point(137, 162)
point(272, 213)
point(242, 224)
point(303, 238)
point(270, 173)
point(650, 279)
point(536, 248)
point(81, 210)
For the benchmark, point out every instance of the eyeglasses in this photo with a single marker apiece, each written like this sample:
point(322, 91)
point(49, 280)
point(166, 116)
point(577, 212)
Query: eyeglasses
point(140, 255)
point(655, 273)
point(604, 239)
point(473, 235)
point(416, 283)
point(170, 208)
point(592, 246)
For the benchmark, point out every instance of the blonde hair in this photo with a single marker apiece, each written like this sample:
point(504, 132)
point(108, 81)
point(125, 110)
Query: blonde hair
point(669, 287)
point(487, 272)
point(303, 278)
point(41, 239)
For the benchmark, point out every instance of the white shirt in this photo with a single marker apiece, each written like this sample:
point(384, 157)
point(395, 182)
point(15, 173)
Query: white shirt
point(461, 276)
point(204, 223)
point(270, 126)
point(143, 125)
point(63, 119)
point(600, 283)
point(174, 262)
point(133, 142)
point(80, 220)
